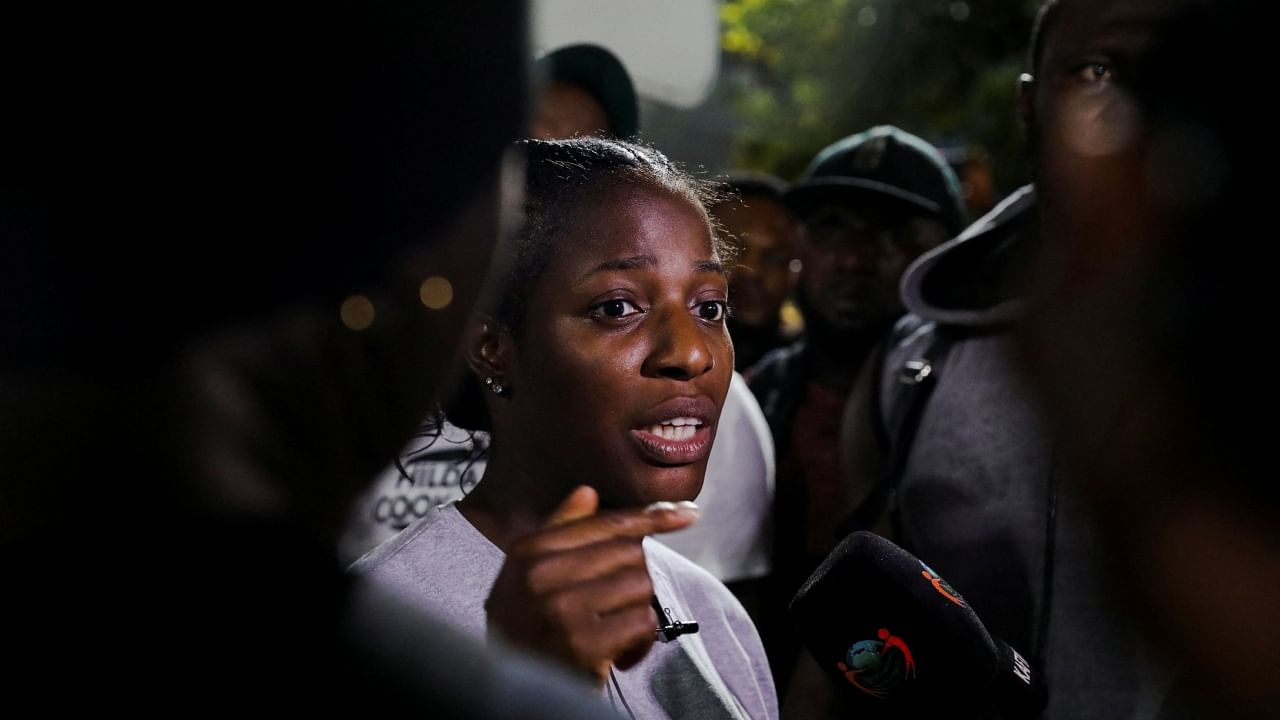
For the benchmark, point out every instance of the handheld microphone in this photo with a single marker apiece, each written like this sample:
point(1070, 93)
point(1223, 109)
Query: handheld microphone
point(899, 639)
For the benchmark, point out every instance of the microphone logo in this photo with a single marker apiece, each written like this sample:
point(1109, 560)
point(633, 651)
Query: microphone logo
point(941, 585)
point(878, 667)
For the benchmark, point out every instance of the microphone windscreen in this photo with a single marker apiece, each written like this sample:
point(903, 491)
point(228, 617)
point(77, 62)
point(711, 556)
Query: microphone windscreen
point(892, 632)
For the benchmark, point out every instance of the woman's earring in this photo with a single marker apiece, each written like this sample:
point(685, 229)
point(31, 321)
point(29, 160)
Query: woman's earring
point(495, 386)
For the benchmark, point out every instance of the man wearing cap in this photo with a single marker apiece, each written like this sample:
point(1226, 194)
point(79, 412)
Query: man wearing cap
point(868, 205)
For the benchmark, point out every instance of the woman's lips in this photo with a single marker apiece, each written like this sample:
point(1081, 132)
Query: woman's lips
point(677, 431)
point(691, 446)
point(673, 444)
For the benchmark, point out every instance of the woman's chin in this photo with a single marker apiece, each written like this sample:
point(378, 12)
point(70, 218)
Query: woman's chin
point(666, 485)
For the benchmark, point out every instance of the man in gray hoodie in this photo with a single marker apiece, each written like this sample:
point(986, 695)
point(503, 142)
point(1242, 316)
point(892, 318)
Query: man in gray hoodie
point(951, 445)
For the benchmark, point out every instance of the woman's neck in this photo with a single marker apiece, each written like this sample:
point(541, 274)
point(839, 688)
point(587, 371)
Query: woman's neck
point(511, 501)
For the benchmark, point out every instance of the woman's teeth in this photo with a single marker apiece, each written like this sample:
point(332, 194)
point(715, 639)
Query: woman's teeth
point(675, 429)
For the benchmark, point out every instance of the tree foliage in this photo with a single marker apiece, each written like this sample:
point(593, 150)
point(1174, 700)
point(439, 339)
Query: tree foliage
point(803, 73)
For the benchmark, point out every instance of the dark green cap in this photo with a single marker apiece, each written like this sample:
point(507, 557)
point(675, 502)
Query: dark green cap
point(601, 74)
point(882, 163)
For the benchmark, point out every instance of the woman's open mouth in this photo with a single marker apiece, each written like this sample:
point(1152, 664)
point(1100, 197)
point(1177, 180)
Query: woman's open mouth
point(679, 432)
point(674, 444)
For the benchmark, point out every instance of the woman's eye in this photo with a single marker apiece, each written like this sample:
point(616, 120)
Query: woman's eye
point(1096, 73)
point(712, 310)
point(615, 309)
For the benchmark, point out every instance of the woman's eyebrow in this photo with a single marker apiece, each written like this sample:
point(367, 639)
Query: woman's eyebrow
point(637, 262)
point(709, 266)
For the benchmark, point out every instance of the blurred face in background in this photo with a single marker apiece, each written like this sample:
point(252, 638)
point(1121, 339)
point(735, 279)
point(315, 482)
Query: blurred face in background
point(1102, 175)
point(853, 258)
point(567, 111)
point(762, 277)
point(1143, 118)
point(1090, 138)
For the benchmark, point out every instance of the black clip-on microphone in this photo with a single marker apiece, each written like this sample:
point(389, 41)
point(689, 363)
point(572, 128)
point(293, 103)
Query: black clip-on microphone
point(669, 629)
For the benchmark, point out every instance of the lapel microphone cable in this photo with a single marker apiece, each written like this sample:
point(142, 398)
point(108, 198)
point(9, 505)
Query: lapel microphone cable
point(667, 631)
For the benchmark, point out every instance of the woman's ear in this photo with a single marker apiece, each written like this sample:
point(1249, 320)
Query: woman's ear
point(489, 351)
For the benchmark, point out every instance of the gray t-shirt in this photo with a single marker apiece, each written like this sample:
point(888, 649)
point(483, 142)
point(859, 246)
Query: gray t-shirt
point(443, 564)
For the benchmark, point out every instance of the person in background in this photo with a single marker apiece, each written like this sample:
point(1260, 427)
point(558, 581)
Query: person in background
point(972, 165)
point(868, 205)
point(587, 91)
point(759, 223)
point(1157, 177)
point(441, 464)
point(1000, 483)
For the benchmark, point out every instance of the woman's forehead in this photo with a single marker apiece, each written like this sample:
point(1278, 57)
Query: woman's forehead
point(631, 226)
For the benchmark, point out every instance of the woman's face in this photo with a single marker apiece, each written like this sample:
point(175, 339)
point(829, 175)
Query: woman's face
point(623, 361)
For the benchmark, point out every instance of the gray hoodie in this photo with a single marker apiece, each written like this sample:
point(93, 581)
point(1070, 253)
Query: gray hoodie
point(982, 497)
